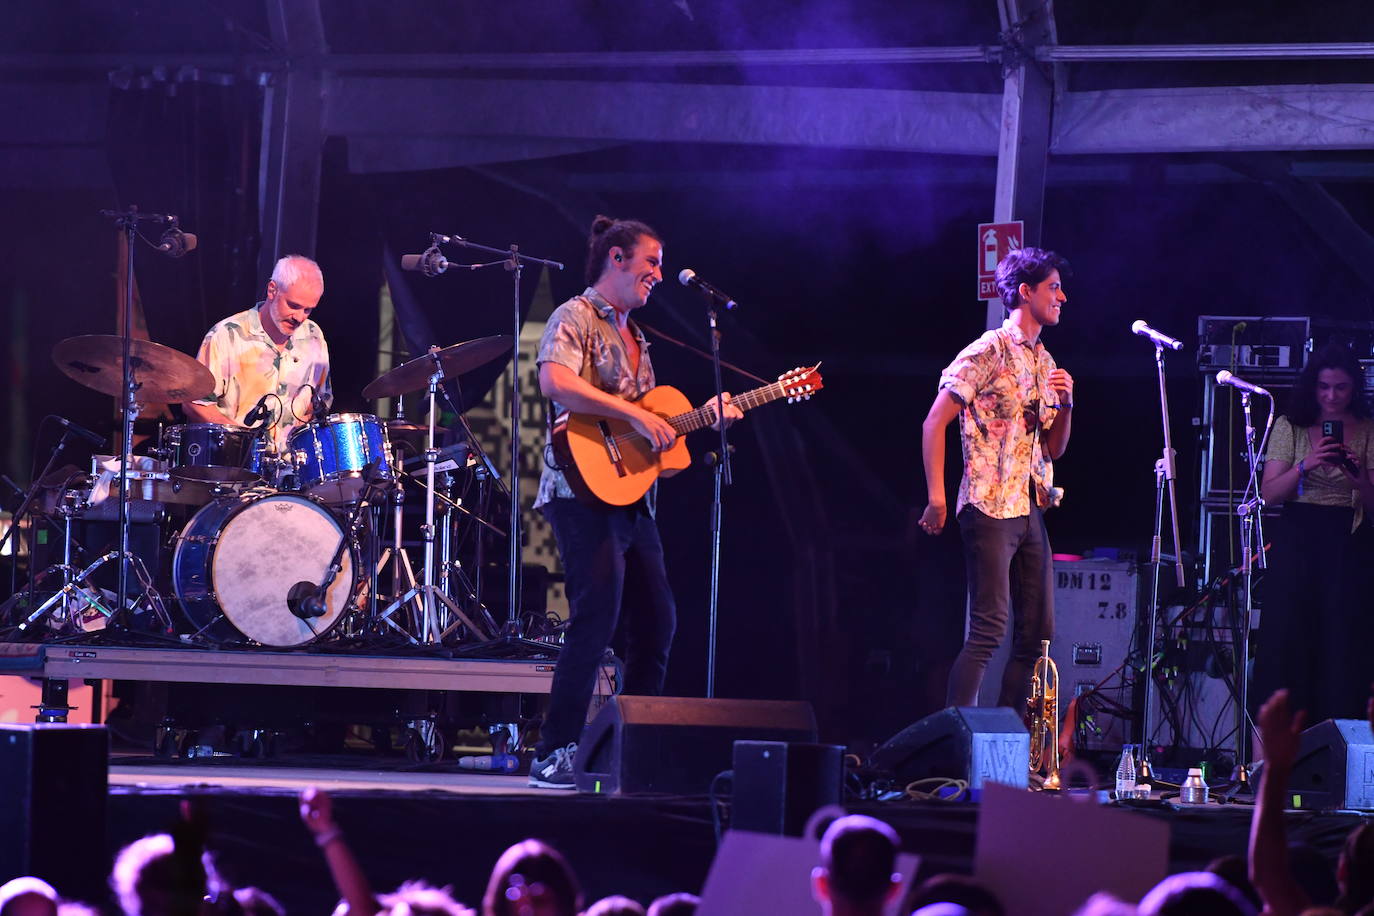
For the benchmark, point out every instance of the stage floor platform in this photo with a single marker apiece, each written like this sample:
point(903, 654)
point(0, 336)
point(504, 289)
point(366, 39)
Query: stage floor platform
point(448, 826)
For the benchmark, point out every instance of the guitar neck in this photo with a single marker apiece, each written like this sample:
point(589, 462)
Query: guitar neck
point(704, 416)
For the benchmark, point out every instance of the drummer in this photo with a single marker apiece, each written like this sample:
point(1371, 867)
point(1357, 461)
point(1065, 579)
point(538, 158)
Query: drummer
point(271, 357)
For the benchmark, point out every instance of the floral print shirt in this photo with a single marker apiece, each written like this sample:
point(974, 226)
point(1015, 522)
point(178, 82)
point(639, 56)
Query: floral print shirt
point(582, 335)
point(1000, 379)
point(247, 365)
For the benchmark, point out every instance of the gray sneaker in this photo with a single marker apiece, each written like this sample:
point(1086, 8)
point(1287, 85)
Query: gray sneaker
point(554, 771)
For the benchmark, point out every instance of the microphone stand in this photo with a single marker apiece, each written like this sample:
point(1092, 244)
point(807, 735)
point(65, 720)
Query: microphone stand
point(723, 478)
point(1251, 515)
point(1164, 478)
point(514, 262)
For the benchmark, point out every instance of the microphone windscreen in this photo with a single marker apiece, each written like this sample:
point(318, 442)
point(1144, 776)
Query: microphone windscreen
point(686, 275)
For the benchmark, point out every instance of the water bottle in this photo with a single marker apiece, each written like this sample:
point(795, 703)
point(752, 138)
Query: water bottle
point(1125, 774)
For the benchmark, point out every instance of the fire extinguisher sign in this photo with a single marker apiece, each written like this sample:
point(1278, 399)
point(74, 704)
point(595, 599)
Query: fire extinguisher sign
point(994, 241)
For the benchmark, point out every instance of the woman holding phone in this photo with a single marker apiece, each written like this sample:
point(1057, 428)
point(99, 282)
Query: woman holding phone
point(1316, 595)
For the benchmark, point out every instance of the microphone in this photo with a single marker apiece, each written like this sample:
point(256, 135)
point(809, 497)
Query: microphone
point(431, 263)
point(1226, 378)
point(258, 413)
point(1163, 340)
point(503, 763)
point(688, 277)
point(175, 243)
point(303, 600)
point(82, 431)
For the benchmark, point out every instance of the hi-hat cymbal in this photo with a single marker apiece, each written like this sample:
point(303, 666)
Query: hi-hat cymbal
point(163, 375)
point(452, 361)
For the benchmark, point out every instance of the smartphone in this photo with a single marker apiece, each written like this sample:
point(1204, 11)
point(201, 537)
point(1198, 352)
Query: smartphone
point(1335, 429)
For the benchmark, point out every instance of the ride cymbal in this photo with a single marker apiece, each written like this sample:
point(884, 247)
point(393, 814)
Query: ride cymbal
point(162, 375)
point(451, 361)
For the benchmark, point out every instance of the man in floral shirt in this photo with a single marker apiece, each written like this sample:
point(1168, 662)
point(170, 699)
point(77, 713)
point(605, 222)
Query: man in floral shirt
point(1016, 408)
point(273, 352)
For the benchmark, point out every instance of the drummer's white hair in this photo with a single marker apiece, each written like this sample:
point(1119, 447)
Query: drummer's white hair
point(293, 268)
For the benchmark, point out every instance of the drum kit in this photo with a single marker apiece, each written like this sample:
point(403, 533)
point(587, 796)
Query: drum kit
point(277, 549)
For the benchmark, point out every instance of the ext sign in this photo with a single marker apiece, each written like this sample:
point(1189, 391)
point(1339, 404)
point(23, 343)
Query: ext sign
point(994, 241)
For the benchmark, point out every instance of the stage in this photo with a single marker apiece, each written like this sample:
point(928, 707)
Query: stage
point(448, 827)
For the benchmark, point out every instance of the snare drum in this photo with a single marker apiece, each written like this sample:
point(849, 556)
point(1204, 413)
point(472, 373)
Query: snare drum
point(239, 558)
point(330, 455)
point(213, 452)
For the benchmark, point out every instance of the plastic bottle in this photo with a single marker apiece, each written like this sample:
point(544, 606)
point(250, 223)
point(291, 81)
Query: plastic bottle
point(1125, 773)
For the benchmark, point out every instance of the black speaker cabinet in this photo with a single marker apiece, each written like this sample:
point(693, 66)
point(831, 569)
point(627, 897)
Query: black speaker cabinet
point(53, 781)
point(1335, 767)
point(678, 744)
point(975, 743)
point(778, 785)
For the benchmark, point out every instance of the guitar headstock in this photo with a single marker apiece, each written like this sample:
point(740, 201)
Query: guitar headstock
point(800, 383)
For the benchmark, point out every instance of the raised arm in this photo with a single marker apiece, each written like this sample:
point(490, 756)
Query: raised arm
point(317, 812)
point(1279, 732)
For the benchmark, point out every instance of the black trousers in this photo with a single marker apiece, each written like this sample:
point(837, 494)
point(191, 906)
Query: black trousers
point(1010, 575)
point(599, 545)
point(1315, 618)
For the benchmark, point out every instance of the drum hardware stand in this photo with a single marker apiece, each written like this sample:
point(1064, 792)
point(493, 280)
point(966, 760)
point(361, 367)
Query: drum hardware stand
point(128, 221)
point(29, 496)
point(428, 593)
point(1164, 479)
point(513, 261)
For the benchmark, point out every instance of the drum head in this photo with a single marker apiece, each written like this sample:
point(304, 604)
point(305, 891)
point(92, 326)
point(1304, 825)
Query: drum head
point(266, 548)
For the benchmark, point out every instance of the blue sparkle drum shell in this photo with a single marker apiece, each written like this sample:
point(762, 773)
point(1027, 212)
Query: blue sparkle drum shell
point(330, 456)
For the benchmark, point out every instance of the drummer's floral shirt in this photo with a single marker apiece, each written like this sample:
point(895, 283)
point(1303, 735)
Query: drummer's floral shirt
point(247, 365)
point(582, 335)
point(1000, 379)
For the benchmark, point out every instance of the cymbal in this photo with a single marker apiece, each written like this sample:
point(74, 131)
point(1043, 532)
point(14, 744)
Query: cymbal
point(163, 375)
point(453, 361)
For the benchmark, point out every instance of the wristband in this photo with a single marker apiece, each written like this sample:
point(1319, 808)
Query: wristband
point(324, 839)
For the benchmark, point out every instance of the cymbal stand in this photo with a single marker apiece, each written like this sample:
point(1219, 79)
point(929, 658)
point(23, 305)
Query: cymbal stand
point(429, 594)
point(128, 221)
point(513, 261)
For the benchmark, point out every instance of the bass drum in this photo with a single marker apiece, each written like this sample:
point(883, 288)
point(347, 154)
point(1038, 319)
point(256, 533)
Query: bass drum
point(238, 560)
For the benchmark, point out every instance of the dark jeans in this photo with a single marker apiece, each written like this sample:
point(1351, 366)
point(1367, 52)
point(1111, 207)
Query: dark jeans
point(598, 546)
point(1010, 568)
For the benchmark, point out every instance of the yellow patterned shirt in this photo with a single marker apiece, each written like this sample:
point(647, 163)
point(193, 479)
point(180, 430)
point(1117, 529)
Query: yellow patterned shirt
point(1323, 485)
point(581, 335)
point(247, 365)
point(1000, 379)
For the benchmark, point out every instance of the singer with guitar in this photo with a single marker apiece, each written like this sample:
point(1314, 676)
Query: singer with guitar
point(593, 359)
point(271, 360)
point(1015, 407)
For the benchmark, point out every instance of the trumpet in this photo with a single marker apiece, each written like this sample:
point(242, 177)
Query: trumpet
point(1042, 718)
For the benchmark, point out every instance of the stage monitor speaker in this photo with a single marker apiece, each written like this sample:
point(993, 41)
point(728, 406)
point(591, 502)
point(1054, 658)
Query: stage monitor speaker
point(974, 743)
point(678, 744)
point(778, 785)
point(53, 783)
point(1335, 767)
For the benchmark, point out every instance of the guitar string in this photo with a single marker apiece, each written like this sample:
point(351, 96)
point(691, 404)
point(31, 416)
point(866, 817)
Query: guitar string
point(747, 401)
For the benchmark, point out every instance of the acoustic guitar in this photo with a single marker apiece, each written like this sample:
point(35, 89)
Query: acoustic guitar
point(605, 460)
